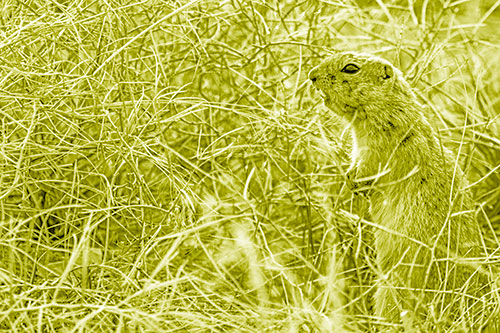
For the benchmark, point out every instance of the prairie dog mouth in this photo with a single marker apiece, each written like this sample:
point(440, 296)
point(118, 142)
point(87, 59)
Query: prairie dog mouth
point(324, 95)
point(321, 92)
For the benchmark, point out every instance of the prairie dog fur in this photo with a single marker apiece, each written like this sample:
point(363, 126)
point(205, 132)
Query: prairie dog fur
point(428, 247)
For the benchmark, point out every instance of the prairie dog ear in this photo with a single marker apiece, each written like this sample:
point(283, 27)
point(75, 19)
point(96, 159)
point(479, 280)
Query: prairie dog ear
point(387, 72)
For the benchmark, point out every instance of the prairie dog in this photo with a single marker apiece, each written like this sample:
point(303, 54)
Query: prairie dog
point(428, 244)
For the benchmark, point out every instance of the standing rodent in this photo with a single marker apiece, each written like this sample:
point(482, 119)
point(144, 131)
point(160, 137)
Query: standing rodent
point(428, 243)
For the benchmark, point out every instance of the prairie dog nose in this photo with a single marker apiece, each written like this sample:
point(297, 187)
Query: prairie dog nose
point(313, 74)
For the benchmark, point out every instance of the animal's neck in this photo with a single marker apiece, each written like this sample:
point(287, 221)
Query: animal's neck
point(387, 125)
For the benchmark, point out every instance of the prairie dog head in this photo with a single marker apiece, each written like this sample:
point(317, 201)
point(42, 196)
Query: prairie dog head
point(357, 84)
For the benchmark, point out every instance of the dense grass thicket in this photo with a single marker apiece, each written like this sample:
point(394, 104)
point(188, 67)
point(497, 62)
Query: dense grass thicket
point(166, 166)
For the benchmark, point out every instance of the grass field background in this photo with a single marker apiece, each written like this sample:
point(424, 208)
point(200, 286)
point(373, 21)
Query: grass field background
point(166, 166)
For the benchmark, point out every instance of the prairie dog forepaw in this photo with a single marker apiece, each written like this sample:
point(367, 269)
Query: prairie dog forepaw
point(356, 186)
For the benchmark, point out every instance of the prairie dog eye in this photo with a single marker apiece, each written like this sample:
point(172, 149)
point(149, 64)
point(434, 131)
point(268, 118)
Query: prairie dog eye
point(350, 69)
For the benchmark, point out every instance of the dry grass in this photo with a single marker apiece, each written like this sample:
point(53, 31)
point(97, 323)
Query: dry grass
point(165, 166)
